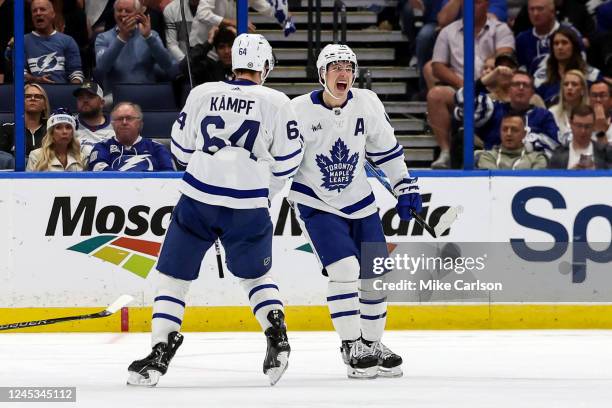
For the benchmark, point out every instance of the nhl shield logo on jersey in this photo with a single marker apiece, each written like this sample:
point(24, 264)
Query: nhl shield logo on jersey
point(338, 169)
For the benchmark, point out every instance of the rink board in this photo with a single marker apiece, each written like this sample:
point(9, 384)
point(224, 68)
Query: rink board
point(78, 242)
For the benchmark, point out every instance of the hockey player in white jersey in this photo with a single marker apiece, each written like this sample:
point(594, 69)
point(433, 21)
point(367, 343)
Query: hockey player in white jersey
point(235, 138)
point(336, 207)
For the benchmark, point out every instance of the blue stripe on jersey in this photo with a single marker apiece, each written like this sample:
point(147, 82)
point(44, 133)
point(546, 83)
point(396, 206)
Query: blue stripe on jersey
point(260, 287)
point(167, 317)
point(224, 191)
point(181, 148)
point(284, 173)
point(372, 302)
point(301, 188)
point(289, 156)
point(342, 314)
point(179, 161)
point(393, 156)
point(342, 296)
point(266, 303)
point(375, 317)
point(383, 153)
point(359, 204)
point(170, 299)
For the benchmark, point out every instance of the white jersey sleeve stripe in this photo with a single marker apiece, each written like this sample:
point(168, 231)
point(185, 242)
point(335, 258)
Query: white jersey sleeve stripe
point(289, 156)
point(349, 209)
point(179, 161)
point(390, 157)
point(175, 143)
point(369, 154)
point(287, 173)
point(224, 191)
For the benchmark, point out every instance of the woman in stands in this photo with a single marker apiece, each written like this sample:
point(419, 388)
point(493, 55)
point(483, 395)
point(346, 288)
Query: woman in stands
point(574, 92)
point(60, 151)
point(566, 55)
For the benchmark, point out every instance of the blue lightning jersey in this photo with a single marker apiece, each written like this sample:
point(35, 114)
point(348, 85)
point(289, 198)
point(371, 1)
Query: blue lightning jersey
point(144, 155)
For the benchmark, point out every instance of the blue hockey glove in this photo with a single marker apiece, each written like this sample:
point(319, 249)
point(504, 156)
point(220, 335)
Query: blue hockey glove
point(289, 27)
point(408, 197)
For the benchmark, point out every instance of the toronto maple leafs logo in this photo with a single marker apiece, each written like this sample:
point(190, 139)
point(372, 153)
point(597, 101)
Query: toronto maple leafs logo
point(338, 169)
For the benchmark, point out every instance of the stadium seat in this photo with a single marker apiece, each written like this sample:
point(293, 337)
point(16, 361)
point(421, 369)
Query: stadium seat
point(60, 96)
point(6, 117)
point(150, 97)
point(6, 98)
point(158, 125)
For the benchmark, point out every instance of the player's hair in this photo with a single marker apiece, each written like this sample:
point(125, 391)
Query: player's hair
point(582, 110)
point(48, 149)
point(44, 115)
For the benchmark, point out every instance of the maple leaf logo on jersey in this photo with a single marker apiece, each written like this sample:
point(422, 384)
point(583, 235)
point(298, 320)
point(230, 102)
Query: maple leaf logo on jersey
point(338, 169)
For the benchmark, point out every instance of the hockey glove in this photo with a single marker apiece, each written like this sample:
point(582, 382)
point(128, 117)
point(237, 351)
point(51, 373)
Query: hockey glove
point(289, 27)
point(408, 197)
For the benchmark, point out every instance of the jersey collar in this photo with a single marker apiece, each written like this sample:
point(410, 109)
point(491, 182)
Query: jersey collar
point(317, 98)
point(240, 82)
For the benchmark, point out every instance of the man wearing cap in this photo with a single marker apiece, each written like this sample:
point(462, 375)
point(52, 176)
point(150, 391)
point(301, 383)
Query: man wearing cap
point(94, 125)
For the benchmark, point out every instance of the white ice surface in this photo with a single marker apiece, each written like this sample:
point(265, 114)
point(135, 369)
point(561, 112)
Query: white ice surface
point(449, 369)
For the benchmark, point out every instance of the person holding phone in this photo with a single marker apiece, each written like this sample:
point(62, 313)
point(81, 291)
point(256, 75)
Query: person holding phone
point(582, 153)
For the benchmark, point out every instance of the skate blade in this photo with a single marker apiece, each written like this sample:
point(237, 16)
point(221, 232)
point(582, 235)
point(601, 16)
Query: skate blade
point(362, 373)
point(140, 380)
point(390, 372)
point(275, 373)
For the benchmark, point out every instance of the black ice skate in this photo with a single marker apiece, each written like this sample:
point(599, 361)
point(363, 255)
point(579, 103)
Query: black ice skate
point(146, 372)
point(389, 363)
point(359, 359)
point(277, 354)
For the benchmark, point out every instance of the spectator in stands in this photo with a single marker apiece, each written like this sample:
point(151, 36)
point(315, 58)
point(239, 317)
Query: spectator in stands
point(574, 92)
point(582, 153)
point(152, 9)
point(512, 154)
point(176, 34)
point(534, 43)
point(222, 13)
point(570, 12)
point(204, 68)
point(51, 56)
point(492, 37)
point(541, 127)
point(6, 33)
point(60, 150)
point(600, 96)
point(127, 150)
point(565, 56)
point(131, 52)
point(7, 161)
point(94, 125)
point(36, 113)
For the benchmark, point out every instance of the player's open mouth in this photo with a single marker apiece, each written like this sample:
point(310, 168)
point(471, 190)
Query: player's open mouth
point(341, 85)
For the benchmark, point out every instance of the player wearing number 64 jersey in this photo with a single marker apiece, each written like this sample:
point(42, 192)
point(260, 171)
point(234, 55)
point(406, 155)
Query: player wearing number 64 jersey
point(236, 138)
point(336, 207)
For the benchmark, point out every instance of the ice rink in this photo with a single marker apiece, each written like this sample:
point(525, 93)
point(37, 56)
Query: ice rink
point(449, 369)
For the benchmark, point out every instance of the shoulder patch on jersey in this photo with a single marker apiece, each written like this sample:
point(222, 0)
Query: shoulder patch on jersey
point(337, 169)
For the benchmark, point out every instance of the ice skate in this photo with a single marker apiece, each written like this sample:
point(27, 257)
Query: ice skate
point(359, 359)
point(146, 372)
point(277, 354)
point(389, 363)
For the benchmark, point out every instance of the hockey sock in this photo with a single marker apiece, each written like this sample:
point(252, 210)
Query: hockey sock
point(168, 307)
point(342, 297)
point(264, 296)
point(373, 308)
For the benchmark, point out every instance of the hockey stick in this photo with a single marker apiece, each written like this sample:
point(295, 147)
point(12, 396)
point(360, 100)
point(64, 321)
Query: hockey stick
point(188, 56)
point(445, 220)
point(122, 301)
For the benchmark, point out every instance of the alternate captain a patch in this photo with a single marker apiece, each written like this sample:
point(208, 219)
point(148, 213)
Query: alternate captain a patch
point(338, 168)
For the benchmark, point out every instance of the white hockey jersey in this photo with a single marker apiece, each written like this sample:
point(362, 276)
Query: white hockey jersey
point(232, 136)
point(337, 141)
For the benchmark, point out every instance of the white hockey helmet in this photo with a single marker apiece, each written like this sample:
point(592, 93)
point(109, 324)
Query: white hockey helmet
point(253, 52)
point(333, 53)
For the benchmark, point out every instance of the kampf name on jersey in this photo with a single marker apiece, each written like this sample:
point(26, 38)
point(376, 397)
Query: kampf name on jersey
point(232, 136)
point(337, 142)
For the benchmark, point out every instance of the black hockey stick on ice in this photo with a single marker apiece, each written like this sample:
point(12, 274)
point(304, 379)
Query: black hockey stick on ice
point(122, 301)
point(188, 56)
point(445, 220)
